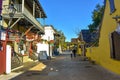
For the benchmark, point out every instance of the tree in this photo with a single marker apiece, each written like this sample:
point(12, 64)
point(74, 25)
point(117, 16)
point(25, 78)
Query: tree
point(96, 17)
point(60, 39)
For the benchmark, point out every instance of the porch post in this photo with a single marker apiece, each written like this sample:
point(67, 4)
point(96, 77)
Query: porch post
point(40, 14)
point(33, 8)
point(23, 2)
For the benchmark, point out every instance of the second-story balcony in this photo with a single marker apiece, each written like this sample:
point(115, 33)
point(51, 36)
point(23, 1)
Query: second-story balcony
point(22, 13)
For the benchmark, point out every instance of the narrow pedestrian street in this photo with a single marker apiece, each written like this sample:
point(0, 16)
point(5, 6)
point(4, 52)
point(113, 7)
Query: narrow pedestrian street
point(63, 67)
point(39, 40)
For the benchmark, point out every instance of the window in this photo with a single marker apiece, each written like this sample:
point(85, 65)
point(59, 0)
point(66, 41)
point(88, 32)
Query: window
point(112, 6)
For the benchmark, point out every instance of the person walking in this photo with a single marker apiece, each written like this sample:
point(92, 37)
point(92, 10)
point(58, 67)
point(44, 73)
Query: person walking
point(74, 52)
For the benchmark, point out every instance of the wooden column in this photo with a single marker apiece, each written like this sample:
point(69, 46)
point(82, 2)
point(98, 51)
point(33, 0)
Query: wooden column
point(23, 3)
point(33, 8)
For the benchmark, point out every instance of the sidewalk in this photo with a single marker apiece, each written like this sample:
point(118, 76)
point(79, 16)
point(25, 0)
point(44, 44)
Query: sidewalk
point(31, 65)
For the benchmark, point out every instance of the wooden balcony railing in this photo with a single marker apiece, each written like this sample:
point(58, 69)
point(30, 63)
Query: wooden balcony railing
point(31, 18)
point(25, 14)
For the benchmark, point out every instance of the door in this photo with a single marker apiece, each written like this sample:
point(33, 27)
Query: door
point(2, 56)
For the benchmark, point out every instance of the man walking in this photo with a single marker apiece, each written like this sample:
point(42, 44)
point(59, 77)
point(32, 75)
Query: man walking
point(74, 52)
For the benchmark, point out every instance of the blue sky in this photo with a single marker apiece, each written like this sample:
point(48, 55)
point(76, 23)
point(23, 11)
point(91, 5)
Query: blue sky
point(69, 16)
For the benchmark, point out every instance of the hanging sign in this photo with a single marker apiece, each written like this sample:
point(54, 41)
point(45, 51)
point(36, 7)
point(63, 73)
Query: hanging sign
point(14, 37)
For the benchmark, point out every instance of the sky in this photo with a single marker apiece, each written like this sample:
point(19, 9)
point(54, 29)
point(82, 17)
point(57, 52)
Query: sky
point(69, 16)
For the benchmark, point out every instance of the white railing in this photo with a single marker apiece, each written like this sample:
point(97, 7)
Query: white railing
point(18, 7)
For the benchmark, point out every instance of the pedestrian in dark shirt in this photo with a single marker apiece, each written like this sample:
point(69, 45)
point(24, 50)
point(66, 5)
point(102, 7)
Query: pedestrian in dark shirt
point(74, 52)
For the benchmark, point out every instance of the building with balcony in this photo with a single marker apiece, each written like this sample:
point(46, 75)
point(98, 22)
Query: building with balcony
point(25, 13)
point(21, 28)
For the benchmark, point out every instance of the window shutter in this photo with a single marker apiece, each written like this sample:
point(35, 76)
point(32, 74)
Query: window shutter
point(115, 46)
point(112, 6)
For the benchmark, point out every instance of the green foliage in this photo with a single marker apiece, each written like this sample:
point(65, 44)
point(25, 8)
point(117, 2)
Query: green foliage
point(60, 39)
point(96, 17)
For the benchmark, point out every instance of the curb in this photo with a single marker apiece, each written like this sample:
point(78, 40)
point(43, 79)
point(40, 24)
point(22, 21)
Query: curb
point(17, 68)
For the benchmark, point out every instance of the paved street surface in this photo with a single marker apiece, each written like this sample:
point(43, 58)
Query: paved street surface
point(63, 67)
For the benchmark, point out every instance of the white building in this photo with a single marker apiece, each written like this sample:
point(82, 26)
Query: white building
point(49, 37)
point(49, 33)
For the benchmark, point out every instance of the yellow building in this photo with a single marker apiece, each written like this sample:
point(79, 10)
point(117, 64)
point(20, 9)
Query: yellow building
point(107, 54)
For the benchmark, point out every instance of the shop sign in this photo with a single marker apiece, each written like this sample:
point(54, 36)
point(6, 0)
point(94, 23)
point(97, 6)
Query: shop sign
point(13, 37)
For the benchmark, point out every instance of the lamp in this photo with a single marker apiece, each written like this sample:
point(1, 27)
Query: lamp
point(11, 9)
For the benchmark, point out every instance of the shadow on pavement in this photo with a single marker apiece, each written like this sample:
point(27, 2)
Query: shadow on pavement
point(26, 66)
point(30, 75)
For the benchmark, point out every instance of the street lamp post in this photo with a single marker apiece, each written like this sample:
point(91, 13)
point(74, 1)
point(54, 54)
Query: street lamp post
point(8, 47)
point(11, 15)
point(12, 11)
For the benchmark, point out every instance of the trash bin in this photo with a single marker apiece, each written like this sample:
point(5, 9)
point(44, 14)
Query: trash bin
point(56, 52)
point(42, 55)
